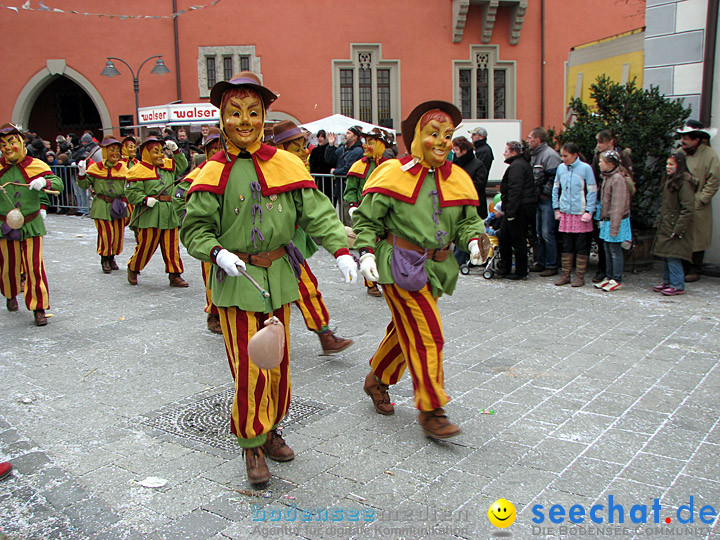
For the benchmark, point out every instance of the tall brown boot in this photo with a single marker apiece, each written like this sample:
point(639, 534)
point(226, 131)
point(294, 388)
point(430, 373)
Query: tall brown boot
point(436, 425)
point(567, 264)
point(581, 268)
point(105, 264)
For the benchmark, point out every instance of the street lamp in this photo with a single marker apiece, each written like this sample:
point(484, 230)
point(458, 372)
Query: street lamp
point(111, 71)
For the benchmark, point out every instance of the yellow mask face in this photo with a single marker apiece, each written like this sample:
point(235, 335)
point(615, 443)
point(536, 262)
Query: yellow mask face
point(297, 147)
point(243, 119)
point(111, 154)
point(374, 148)
point(153, 153)
point(433, 142)
point(212, 149)
point(12, 148)
point(129, 150)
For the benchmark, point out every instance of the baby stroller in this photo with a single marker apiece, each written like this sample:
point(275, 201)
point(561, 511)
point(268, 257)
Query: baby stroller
point(493, 261)
point(492, 223)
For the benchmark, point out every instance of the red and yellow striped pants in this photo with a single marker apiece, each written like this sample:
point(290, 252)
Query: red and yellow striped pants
point(209, 306)
point(262, 397)
point(148, 241)
point(311, 304)
point(110, 236)
point(24, 256)
point(414, 339)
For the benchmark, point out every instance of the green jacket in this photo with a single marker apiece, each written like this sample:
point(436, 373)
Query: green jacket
point(25, 199)
point(704, 165)
point(146, 180)
point(674, 236)
point(104, 181)
point(239, 218)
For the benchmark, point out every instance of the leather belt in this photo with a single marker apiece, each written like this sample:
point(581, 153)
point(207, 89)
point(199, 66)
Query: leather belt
point(263, 259)
point(438, 255)
point(28, 218)
point(106, 198)
point(163, 198)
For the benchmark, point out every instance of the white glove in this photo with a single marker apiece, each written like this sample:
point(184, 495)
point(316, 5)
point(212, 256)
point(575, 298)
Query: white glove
point(43, 213)
point(368, 268)
point(171, 145)
point(82, 167)
point(476, 256)
point(229, 262)
point(150, 202)
point(38, 184)
point(348, 267)
point(351, 211)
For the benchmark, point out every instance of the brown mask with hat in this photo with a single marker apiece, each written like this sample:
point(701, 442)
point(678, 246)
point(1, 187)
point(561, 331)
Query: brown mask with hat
point(290, 137)
point(12, 145)
point(376, 141)
point(111, 150)
point(129, 147)
point(428, 131)
point(212, 142)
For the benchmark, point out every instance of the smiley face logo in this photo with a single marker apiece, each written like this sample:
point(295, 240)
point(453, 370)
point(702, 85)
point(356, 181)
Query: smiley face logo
point(502, 513)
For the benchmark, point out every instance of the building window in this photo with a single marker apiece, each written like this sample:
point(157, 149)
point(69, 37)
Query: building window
point(210, 71)
point(227, 68)
point(367, 87)
point(485, 85)
point(225, 60)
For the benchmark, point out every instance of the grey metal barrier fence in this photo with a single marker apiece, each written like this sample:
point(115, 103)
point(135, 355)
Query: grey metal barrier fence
point(334, 187)
point(72, 199)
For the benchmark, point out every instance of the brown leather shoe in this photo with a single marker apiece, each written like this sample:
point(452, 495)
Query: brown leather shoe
point(132, 277)
point(374, 291)
point(549, 272)
point(176, 280)
point(436, 425)
point(276, 448)
point(40, 317)
point(257, 469)
point(332, 344)
point(105, 263)
point(690, 278)
point(12, 304)
point(113, 264)
point(213, 323)
point(378, 392)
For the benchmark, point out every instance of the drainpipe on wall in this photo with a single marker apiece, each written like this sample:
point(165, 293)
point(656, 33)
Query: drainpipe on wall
point(177, 50)
point(711, 28)
point(542, 63)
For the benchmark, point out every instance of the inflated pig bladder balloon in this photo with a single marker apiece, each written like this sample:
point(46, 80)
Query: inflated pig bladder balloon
point(267, 346)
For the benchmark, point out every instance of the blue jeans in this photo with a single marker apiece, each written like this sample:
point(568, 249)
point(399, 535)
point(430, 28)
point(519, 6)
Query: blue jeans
point(545, 223)
point(81, 197)
point(613, 260)
point(673, 273)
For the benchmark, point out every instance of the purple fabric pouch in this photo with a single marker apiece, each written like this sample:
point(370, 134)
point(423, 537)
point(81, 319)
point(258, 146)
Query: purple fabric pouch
point(296, 259)
point(118, 209)
point(408, 268)
point(8, 233)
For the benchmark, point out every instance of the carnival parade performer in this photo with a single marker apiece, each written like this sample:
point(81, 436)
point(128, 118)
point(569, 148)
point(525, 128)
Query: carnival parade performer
point(129, 152)
point(210, 147)
point(417, 206)
point(241, 214)
point(288, 136)
point(107, 181)
point(376, 142)
point(21, 249)
point(149, 188)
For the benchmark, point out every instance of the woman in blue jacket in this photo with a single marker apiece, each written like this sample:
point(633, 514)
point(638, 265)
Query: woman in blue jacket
point(574, 197)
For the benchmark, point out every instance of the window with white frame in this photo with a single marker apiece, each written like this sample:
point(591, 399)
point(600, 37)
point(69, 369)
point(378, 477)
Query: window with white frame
point(367, 87)
point(221, 63)
point(485, 85)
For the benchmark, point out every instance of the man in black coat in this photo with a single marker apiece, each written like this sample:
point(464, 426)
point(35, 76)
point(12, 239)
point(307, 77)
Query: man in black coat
point(482, 149)
point(465, 158)
point(519, 203)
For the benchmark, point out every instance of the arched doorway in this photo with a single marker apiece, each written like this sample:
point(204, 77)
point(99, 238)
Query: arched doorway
point(63, 107)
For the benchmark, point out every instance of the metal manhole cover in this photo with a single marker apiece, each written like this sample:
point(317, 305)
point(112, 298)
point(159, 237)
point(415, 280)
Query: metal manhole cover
point(207, 420)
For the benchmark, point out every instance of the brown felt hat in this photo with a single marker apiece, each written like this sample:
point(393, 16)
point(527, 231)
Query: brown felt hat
point(213, 135)
point(286, 131)
point(408, 125)
point(244, 78)
point(381, 135)
point(108, 141)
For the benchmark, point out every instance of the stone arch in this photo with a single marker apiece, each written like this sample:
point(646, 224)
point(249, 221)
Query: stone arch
point(34, 87)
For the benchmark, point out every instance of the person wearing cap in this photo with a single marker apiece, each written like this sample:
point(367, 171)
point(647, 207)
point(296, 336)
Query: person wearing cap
point(482, 149)
point(413, 208)
point(150, 185)
point(21, 250)
point(704, 165)
point(342, 158)
point(241, 215)
point(376, 142)
point(107, 181)
point(289, 137)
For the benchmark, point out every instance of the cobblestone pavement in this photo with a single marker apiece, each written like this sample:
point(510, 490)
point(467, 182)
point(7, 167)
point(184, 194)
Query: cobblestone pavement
point(597, 398)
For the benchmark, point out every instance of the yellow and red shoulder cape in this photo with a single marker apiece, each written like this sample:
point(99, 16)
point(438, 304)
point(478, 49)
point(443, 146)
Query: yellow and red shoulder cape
point(454, 185)
point(361, 166)
point(147, 171)
point(277, 170)
point(117, 171)
point(30, 168)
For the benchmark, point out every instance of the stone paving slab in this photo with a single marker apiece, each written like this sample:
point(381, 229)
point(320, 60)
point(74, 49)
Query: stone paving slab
point(593, 395)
